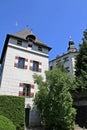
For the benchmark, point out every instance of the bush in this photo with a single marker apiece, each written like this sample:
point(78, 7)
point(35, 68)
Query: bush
point(12, 107)
point(6, 124)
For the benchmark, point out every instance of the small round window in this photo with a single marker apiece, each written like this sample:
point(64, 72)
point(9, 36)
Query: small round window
point(30, 38)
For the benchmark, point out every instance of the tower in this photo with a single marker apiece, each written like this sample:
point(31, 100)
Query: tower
point(23, 55)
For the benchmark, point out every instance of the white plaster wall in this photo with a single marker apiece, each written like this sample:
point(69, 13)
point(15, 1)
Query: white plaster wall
point(25, 45)
point(12, 76)
point(70, 63)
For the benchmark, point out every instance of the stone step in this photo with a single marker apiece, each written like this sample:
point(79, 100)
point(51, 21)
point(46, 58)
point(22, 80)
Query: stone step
point(77, 127)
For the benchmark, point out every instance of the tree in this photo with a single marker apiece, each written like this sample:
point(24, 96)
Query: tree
point(81, 64)
point(6, 124)
point(54, 100)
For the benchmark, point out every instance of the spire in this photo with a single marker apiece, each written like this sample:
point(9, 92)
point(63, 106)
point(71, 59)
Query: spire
point(71, 46)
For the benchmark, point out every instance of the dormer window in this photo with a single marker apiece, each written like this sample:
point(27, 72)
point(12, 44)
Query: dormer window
point(31, 38)
point(19, 42)
point(39, 48)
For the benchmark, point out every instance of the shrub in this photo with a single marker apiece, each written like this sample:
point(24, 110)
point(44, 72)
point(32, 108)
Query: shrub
point(6, 124)
point(12, 107)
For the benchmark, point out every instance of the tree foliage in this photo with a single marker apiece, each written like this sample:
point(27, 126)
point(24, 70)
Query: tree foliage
point(54, 100)
point(6, 124)
point(81, 64)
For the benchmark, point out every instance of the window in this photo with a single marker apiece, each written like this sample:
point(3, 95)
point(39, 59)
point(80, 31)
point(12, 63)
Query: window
point(39, 48)
point(26, 90)
point(35, 66)
point(66, 59)
point(30, 45)
point(67, 69)
point(31, 38)
point(51, 67)
point(21, 62)
point(19, 42)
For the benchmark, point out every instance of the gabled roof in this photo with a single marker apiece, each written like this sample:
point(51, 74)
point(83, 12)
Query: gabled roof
point(22, 35)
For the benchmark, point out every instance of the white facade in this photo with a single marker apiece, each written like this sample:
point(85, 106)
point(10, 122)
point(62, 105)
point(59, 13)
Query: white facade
point(13, 78)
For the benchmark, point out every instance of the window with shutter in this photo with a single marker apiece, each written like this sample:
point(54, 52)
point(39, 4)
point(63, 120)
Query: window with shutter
point(35, 66)
point(27, 90)
point(21, 62)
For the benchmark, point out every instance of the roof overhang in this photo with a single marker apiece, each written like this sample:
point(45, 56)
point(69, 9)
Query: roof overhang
point(17, 37)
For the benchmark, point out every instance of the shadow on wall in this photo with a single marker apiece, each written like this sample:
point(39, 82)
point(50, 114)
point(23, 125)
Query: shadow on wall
point(81, 117)
point(32, 117)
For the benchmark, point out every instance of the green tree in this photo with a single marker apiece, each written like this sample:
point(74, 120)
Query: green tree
point(60, 65)
point(6, 124)
point(54, 100)
point(81, 64)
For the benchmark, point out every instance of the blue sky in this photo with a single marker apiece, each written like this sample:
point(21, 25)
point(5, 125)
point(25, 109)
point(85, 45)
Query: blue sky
point(52, 21)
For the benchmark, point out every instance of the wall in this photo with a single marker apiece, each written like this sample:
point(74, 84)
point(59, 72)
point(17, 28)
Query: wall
point(13, 76)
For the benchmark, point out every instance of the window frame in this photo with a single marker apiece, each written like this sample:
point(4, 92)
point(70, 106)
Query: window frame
point(19, 42)
point(26, 87)
point(65, 59)
point(67, 69)
point(39, 48)
point(35, 66)
point(21, 62)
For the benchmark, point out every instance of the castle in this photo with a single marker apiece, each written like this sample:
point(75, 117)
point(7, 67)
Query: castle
point(24, 55)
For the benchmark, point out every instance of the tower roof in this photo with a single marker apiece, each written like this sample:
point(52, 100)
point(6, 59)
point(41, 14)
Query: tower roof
point(71, 47)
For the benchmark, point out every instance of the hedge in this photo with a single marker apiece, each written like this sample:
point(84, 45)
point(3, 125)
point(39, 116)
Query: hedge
point(12, 107)
point(6, 124)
